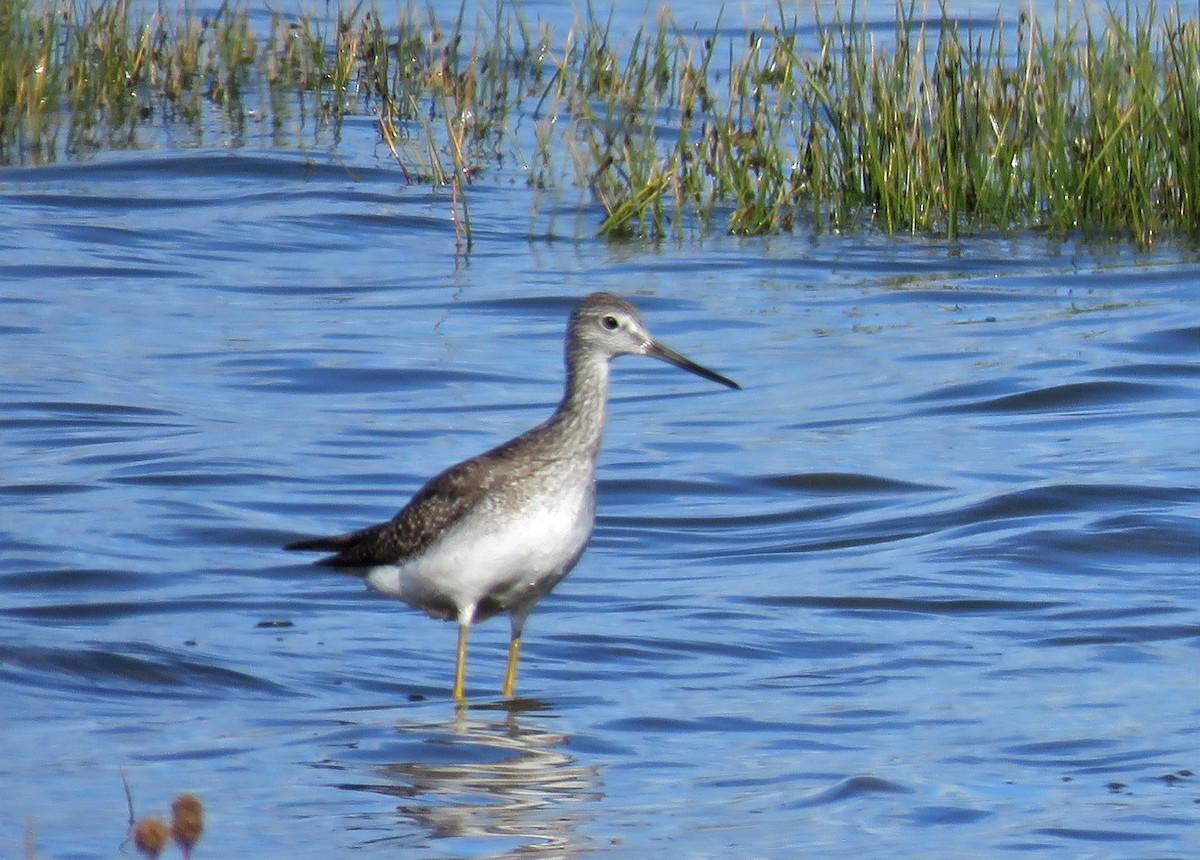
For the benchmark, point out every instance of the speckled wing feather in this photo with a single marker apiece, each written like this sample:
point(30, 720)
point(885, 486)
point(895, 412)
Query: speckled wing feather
point(428, 515)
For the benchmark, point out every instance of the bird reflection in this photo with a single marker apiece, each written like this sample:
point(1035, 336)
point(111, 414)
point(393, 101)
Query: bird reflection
point(499, 779)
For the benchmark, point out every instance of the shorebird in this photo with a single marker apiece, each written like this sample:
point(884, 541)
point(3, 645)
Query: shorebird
point(497, 532)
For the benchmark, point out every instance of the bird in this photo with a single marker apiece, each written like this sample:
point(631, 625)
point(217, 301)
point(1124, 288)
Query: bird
point(495, 533)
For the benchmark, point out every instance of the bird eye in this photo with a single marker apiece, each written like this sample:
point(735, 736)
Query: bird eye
point(609, 322)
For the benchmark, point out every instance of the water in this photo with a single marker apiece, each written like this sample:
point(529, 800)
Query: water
point(926, 587)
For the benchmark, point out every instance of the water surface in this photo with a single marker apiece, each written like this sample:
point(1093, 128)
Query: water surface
point(927, 586)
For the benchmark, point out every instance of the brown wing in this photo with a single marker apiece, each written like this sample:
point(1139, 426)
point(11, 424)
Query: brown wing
point(430, 513)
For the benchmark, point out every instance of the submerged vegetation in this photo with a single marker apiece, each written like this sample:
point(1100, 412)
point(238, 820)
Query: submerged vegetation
point(1090, 121)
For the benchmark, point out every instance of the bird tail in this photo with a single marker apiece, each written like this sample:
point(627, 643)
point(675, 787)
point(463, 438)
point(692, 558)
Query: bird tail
point(349, 552)
point(323, 544)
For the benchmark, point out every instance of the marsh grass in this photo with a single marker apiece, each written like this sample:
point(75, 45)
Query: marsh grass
point(1086, 121)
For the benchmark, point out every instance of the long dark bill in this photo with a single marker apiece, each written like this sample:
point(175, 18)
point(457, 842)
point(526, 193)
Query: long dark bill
point(657, 350)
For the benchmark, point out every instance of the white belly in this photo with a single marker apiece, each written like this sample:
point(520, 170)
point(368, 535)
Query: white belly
point(509, 557)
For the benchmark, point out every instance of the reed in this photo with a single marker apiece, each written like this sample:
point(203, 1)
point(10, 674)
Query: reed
point(1085, 121)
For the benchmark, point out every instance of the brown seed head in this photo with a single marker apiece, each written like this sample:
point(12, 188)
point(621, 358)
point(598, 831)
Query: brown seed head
point(187, 825)
point(150, 835)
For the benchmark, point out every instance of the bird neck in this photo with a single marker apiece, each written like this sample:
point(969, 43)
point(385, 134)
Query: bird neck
point(582, 411)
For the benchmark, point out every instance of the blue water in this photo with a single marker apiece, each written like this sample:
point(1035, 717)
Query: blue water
point(927, 587)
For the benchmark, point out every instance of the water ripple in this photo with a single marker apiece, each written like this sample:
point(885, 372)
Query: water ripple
point(855, 787)
point(1062, 398)
point(151, 672)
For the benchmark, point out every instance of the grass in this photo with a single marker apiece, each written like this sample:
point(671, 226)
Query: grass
point(1087, 121)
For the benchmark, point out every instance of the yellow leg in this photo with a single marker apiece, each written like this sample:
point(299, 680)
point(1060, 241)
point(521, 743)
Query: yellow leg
point(510, 673)
point(460, 665)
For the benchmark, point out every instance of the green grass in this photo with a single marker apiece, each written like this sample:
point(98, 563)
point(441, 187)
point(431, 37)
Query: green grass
point(1085, 122)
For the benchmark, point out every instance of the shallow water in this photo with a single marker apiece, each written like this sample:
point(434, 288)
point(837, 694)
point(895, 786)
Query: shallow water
point(926, 587)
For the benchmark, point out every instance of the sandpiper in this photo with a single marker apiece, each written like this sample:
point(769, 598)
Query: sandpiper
point(497, 532)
